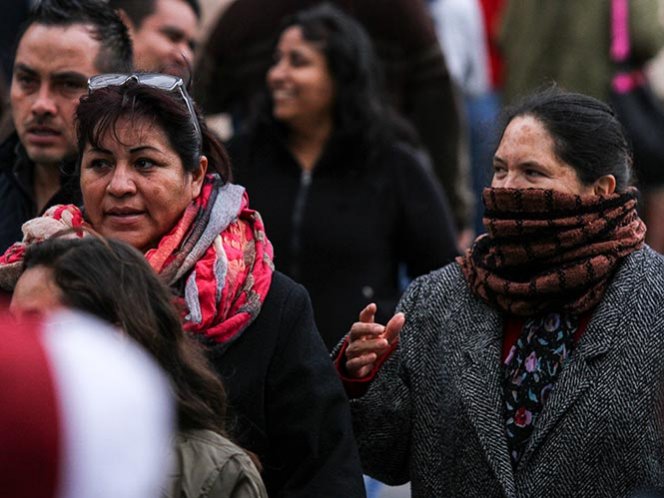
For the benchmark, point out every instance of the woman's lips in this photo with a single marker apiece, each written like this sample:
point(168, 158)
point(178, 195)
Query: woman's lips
point(124, 217)
point(281, 94)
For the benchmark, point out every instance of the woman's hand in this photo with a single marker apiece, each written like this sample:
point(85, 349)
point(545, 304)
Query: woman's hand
point(368, 341)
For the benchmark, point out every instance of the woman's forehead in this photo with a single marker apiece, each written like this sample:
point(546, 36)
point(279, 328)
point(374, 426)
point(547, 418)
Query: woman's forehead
point(128, 131)
point(524, 132)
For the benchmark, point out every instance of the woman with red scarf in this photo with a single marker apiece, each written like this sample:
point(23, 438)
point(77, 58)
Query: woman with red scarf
point(531, 366)
point(152, 175)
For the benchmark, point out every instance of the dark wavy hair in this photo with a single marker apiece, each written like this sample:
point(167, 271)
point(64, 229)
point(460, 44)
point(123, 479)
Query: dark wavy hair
point(115, 52)
point(98, 114)
point(360, 108)
point(113, 281)
point(586, 133)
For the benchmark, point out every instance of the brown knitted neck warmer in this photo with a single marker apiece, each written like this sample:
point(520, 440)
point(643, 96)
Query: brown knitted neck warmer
point(546, 250)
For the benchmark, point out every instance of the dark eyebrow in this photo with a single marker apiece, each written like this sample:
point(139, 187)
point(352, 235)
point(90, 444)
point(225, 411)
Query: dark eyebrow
point(172, 31)
point(71, 76)
point(175, 32)
point(499, 159)
point(533, 163)
point(141, 148)
point(134, 150)
point(62, 76)
point(24, 69)
point(94, 148)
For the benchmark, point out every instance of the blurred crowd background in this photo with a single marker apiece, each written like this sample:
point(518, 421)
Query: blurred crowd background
point(448, 67)
point(494, 52)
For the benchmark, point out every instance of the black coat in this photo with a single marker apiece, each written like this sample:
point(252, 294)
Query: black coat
point(17, 204)
point(345, 235)
point(288, 403)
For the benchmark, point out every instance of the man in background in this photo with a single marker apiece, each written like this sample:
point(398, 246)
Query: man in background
point(63, 43)
point(163, 33)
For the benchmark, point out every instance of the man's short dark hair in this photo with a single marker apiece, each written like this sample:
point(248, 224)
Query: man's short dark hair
point(138, 10)
point(115, 52)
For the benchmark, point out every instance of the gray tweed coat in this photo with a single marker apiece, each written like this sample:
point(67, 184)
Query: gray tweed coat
point(434, 413)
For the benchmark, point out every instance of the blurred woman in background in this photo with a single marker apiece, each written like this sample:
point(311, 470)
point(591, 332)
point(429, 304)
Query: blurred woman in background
point(340, 182)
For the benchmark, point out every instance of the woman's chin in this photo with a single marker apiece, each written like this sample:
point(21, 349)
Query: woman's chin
point(136, 239)
point(284, 115)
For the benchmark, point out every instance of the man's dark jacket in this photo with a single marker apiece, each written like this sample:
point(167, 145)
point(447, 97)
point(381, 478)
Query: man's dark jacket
point(17, 202)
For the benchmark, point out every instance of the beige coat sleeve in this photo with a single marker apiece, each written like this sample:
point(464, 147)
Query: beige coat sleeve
point(238, 478)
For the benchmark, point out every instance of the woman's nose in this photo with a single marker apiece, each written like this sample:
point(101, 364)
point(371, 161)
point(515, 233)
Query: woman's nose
point(121, 182)
point(276, 72)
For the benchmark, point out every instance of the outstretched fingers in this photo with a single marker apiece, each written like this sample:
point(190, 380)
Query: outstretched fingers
point(393, 327)
point(368, 341)
point(368, 314)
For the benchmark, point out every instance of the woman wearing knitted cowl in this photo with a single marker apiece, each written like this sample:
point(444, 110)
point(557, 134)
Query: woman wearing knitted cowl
point(532, 365)
point(152, 176)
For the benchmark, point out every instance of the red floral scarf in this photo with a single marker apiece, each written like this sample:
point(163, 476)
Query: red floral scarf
point(217, 257)
point(53, 222)
point(220, 257)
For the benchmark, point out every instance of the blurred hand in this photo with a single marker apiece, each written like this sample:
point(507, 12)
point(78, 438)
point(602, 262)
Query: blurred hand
point(465, 239)
point(368, 341)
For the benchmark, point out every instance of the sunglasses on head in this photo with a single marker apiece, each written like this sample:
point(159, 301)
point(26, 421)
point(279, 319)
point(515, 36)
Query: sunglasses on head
point(164, 82)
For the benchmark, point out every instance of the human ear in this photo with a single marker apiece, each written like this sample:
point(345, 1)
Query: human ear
point(198, 175)
point(127, 22)
point(605, 185)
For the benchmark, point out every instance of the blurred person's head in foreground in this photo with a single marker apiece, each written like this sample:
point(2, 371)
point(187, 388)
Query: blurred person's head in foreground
point(84, 412)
